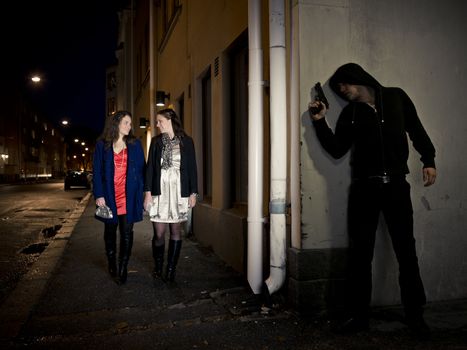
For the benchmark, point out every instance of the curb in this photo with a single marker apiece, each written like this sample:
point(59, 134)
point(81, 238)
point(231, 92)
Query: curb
point(18, 305)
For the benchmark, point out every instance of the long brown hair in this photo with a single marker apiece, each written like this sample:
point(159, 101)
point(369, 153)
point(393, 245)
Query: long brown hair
point(110, 133)
point(170, 114)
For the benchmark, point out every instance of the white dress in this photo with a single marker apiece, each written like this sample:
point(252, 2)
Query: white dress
point(170, 206)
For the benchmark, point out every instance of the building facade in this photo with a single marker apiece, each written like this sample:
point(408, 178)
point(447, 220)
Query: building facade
point(197, 54)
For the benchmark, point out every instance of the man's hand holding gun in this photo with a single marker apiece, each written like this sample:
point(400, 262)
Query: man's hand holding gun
point(320, 105)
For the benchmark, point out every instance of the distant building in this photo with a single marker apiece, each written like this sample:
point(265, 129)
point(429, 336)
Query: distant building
point(30, 146)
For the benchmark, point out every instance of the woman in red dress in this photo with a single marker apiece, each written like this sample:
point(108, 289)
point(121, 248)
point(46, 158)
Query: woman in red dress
point(118, 177)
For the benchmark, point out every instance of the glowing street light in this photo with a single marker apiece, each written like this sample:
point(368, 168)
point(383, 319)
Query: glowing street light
point(36, 79)
point(65, 122)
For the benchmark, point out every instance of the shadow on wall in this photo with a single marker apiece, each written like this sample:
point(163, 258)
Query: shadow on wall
point(325, 184)
point(325, 170)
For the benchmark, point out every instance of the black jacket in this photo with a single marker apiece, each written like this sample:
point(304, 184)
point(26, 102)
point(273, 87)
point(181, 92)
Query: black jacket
point(188, 171)
point(378, 139)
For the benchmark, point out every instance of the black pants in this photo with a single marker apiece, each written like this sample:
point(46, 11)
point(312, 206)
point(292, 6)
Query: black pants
point(366, 200)
point(126, 237)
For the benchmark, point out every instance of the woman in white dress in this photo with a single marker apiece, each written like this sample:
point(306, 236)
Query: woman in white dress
point(171, 188)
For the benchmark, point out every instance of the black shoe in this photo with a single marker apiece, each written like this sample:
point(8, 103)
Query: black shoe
point(352, 325)
point(113, 268)
point(418, 327)
point(170, 274)
point(122, 275)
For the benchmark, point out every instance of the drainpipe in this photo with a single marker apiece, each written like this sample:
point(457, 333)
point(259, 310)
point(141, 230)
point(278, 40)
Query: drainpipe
point(255, 148)
point(152, 71)
point(294, 122)
point(278, 125)
point(132, 59)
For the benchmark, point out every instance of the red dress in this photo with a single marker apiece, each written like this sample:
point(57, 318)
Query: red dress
point(120, 163)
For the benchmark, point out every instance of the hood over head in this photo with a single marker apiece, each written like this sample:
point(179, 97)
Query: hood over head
point(352, 73)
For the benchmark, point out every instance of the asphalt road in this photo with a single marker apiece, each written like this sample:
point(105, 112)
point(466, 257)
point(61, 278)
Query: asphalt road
point(30, 214)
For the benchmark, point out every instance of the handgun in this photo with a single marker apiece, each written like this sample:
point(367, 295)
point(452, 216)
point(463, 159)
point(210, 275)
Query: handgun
point(319, 96)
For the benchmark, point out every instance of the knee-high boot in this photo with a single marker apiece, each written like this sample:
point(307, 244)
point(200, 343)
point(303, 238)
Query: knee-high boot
point(110, 240)
point(158, 255)
point(126, 243)
point(172, 258)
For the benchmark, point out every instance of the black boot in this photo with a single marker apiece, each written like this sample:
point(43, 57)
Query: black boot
point(122, 271)
point(158, 255)
point(172, 259)
point(126, 243)
point(112, 265)
point(416, 323)
point(110, 239)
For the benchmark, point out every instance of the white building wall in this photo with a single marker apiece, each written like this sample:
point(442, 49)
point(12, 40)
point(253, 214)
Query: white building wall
point(417, 45)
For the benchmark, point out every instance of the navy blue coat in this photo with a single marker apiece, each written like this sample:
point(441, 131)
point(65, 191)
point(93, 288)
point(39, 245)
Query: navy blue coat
point(103, 180)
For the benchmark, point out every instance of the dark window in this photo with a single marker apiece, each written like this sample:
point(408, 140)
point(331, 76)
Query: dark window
point(169, 8)
point(181, 109)
point(111, 81)
point(238, 57)
point(207, 142)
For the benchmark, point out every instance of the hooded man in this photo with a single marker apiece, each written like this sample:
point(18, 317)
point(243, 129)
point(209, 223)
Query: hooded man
point(374, 126)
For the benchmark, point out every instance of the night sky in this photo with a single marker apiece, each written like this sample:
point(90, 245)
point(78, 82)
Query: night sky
point(69, 43)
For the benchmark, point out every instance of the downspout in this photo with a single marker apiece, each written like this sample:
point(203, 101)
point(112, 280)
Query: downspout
point(152, 94)
point(132, 39)
point(294, 122)
point(278, 123)
point(255, 148)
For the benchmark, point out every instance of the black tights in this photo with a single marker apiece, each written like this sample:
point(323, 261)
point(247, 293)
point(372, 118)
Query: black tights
point(160, 228)
point(126, 238)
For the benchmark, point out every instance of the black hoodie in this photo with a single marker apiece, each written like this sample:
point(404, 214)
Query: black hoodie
point(378, 139)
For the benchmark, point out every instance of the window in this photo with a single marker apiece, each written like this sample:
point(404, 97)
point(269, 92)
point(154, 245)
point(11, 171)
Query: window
point(206, 139)
point(238, 58)
point(167, 19)
point(142, 59)
point(181, 109)
point(169, 10)
point(111, 81)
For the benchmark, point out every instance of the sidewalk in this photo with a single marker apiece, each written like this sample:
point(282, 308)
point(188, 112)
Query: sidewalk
point(68, 301)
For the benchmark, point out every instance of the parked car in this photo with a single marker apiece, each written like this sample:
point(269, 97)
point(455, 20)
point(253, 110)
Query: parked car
point(77, 178)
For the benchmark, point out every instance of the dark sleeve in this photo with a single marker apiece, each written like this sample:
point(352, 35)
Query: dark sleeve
point(419, 137)
point(150, 166)
point(97, 170)
point(141, 160)
point(336, 144)
point(193, 170)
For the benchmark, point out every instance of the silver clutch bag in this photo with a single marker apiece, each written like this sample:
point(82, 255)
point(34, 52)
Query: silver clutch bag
point(104, 212)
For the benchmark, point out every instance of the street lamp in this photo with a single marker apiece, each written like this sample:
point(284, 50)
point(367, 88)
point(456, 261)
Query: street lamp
point(36, 79)
point(65, 122)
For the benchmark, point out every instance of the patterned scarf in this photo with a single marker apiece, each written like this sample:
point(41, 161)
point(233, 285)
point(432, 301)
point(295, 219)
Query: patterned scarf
point(167, 150)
